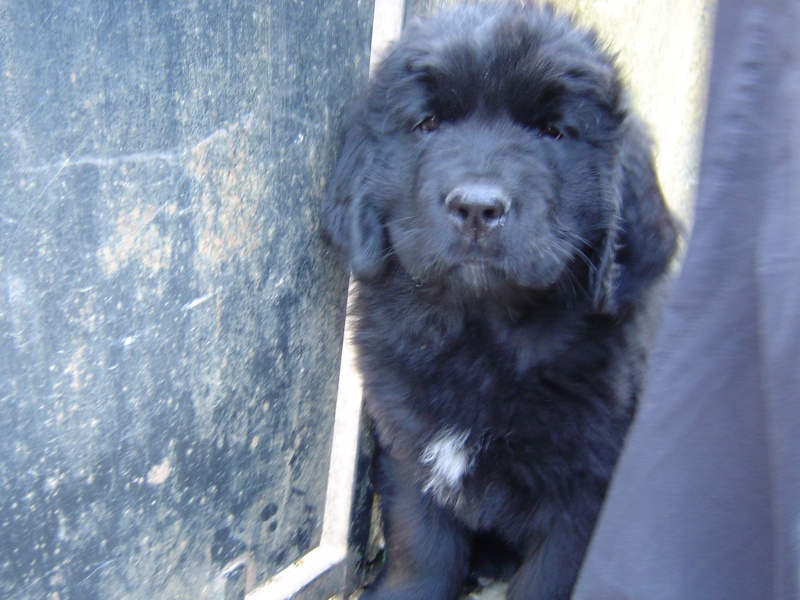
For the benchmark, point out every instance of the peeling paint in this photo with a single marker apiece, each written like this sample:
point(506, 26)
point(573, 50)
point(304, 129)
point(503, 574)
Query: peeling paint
point(230, 191)
point(76, 369)
point(137, 238)
point(159, 473)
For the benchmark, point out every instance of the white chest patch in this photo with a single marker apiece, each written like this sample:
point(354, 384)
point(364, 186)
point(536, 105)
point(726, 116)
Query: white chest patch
point(448, 459)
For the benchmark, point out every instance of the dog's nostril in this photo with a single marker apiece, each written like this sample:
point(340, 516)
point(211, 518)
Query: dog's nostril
point(477, 208)
point(492, 214)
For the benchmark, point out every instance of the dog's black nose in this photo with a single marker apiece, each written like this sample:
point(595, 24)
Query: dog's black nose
point(478, 208)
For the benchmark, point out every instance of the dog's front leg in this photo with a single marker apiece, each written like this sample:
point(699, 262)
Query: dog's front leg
point(551, 567)
point(427, 552)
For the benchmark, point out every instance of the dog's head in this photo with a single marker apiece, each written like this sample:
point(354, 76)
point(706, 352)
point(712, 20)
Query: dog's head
point(493, 150)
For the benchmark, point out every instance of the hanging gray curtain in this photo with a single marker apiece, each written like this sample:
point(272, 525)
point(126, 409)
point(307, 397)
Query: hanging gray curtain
point(705, 503)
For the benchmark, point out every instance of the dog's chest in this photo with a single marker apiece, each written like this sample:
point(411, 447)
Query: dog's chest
point(478, 391)
point(475, 394)
point(469, 477)
point(446, 460)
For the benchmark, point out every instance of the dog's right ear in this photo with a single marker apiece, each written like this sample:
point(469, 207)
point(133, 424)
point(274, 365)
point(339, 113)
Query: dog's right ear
point(644, 237)
point(350, 218)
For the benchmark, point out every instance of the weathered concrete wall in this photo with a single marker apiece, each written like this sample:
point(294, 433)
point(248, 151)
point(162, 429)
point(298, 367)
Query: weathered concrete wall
point(170, 321)
point(663, 49)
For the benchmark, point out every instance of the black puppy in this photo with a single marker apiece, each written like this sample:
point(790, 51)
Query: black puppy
point(498, 206)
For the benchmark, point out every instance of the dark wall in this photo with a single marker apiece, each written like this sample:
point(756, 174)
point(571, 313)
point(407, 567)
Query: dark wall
point(170, 322)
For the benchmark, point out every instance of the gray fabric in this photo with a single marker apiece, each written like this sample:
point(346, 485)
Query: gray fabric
point(705, 503)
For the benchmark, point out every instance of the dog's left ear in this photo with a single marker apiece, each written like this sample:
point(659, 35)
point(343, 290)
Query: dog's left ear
point(350, 218)
point(640, 246)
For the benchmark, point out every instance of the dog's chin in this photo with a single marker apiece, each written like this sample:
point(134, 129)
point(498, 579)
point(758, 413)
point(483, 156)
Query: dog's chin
point(478, 280)
point(463, 279)
point(477, 277)
point(471, 280)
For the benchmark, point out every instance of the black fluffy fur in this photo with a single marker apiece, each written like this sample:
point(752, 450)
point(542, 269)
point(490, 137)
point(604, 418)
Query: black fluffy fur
point(523, 327)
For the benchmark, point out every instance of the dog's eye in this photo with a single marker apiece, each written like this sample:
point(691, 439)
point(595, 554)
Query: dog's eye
point(550, 130)
point(557, 132)
point(428, 124)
